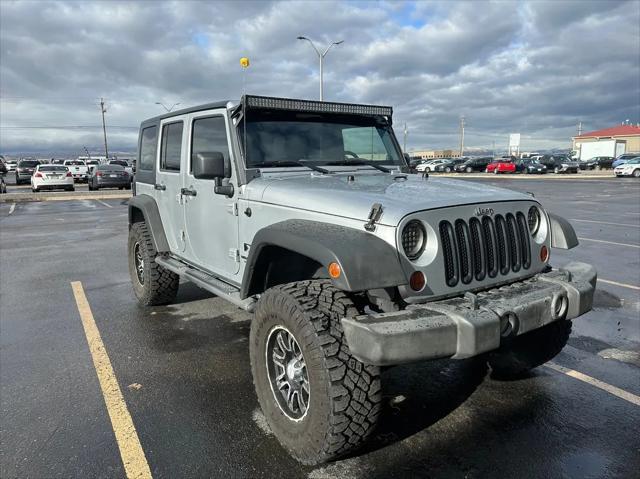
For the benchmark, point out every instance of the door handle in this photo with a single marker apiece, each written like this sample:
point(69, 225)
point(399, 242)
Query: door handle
point(188, 192)
point(160, 187)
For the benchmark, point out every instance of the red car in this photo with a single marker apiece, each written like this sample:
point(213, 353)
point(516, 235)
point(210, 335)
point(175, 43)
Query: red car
point(501, 165)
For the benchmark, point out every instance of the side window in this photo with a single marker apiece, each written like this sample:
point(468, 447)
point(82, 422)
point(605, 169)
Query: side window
point(209, 134)
point(364, 142)
point(171, 147)
point(148, 147)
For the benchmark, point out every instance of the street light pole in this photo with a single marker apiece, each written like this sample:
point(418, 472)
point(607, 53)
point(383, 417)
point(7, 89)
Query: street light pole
point(104, 128)
point(166, 108)
point(321, 59)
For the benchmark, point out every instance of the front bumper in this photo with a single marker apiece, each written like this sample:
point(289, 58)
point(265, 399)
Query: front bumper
point(464, 327)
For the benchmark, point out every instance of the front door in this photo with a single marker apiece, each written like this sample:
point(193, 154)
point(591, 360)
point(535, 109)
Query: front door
point(211, 220)
point(169, 182)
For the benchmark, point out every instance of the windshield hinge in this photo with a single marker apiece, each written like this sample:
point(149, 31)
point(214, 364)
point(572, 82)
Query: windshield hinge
point(374, 216)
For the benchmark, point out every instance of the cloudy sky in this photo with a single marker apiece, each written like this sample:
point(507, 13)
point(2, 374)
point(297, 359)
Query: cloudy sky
point(531, 67)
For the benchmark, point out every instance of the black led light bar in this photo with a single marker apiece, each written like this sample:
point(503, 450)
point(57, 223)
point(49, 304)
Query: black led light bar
point(272, 103)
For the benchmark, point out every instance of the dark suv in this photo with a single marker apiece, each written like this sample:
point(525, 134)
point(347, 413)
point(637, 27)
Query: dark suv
point(597, 163)
point(560, 163)
point(473, 164)
point(24, 170)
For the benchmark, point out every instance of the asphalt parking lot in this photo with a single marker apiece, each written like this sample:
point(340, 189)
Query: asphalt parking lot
point(184, 369)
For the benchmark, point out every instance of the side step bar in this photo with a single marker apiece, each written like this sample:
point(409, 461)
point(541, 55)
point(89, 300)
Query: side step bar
point(207, 281)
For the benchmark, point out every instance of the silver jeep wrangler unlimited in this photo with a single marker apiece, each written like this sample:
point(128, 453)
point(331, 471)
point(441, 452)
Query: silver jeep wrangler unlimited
point(303, 212)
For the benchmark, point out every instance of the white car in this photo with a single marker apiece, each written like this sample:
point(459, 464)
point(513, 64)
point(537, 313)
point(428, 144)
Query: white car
point(630, 168)
point(78, 169)
point(50, 177)
point(429, 166)
point(11, 165)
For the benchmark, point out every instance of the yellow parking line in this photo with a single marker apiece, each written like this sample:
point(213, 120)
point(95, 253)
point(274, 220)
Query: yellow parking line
point(610, 242)
point(615, 283)
point(133, 458)
point(621, 393)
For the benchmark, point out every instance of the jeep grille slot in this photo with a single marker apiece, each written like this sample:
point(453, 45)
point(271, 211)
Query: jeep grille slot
point(484, 248)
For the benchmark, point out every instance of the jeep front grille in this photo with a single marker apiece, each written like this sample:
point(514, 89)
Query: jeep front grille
point(477, 249)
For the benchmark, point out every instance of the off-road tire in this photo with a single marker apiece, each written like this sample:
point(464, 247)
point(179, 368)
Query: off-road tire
point(530, 350)
point(345, 395)
point(160, 285)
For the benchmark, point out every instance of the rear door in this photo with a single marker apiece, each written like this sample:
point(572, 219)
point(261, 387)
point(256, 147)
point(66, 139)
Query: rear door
point(169, 182)
point(211, 220)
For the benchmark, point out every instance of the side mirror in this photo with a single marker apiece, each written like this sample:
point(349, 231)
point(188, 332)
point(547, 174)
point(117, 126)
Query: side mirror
point(208, 165)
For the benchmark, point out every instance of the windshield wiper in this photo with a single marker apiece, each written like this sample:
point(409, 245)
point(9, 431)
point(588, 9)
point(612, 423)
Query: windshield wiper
point(359, 163)
point(293, 163)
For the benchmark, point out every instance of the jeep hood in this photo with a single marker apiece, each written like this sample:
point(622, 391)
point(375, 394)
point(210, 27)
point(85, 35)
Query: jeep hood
point(335, 195)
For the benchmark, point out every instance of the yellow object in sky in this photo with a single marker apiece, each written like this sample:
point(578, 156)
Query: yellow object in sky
point(244, 62)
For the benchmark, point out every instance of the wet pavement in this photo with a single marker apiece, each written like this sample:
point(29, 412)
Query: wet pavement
point(184, 369)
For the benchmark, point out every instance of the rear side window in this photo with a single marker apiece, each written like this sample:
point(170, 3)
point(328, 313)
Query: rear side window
point(209, 135)
point(171, 147)
point(148, 147)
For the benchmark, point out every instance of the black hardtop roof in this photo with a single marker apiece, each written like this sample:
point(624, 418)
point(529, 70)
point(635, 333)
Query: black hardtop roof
point(183, 111)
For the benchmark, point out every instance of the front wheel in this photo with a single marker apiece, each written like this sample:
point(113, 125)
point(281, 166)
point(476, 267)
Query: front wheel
point(447, 170)
point(468, 169)
point(320, 402)
point(556, 170)
point(530, 350)
point(636, 173)
point(152, 284)
point(495, 171)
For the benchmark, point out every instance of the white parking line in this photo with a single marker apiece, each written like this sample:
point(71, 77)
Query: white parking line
point(605, 223)
point(609, 242)
point(623, 285)
point(621, 393)
point(103, 203)
point(12, 209)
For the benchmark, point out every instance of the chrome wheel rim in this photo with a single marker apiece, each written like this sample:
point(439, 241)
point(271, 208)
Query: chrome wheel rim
point(287, 371)
point(139, 263)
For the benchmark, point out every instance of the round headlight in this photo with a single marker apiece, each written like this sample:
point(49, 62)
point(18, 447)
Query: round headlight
point(414, 239)
point(534, 219)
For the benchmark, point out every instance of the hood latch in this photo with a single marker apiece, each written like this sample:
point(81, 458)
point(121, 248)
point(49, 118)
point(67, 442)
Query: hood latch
point(374, 215)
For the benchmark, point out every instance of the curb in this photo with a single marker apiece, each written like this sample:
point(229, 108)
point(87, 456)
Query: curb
point(24, 197)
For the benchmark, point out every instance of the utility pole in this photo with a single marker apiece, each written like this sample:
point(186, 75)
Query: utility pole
point(493, 148)
point(321, 59)
point(461, 135)
point(104, 128)
point(579, 128)
point(404, 149)
point(87, 152)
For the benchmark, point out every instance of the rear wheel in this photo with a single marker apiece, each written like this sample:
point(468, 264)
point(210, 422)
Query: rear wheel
point(320, 402)
point(152, 284)
point(495, 171)
point(447, 169)
point(556, 170)
point(530, 350)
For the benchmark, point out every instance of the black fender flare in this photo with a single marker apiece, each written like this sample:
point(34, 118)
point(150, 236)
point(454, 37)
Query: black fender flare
point(563, 235)
point(148, 207)
point(366, 261)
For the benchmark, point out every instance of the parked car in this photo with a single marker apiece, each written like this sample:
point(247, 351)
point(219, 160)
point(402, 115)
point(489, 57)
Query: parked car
point(473, 164)
point(560, 164)
point(109, 176)
point(24, 170)
point(530, 166)
point(57, 161)
point(347, 268)
point(502, 165)
point(78, 169)
point(11, 165)
point(622, 159)
point(52, 177)
point(429, 165)
point(629, 168)
point(3, 172)
point(597, 163)
point(449, 165)
point(125, 164)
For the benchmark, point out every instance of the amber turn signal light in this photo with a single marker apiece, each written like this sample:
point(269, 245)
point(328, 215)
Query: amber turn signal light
point(417, 281)
point(544, 254)
point(334, 270)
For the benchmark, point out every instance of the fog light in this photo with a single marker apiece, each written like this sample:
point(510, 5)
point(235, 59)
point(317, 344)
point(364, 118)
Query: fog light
point(334, 270)
point(417, 281)
point(544, 254)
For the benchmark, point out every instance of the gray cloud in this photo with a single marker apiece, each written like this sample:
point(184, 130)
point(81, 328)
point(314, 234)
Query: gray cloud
point(535, 67)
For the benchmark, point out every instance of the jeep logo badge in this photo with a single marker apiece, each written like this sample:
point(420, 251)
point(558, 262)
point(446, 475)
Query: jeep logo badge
point(484, 211)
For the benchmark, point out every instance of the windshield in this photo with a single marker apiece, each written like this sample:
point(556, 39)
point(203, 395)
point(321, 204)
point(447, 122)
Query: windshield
point(28, 163)
point(110, 167)
point(52, 168)
point(279, 137)
point(118, 162)
point(74, 162)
